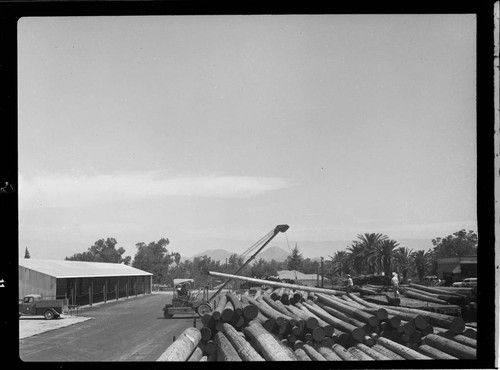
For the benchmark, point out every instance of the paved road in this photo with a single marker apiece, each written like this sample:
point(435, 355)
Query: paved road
point(128, 330)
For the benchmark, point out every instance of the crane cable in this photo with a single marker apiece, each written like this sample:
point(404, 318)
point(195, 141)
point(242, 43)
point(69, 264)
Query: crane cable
point(256, 244)
point(288, 245)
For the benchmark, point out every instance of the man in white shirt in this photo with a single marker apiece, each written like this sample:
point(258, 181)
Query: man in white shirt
point(350, 284)
point(395, 284)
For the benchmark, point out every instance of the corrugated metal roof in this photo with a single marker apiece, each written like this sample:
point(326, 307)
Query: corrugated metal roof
point(290, 274)
point(297, 275)
point(74, 269)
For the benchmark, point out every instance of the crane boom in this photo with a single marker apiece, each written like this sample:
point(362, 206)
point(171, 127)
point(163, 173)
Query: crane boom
point(278, 229)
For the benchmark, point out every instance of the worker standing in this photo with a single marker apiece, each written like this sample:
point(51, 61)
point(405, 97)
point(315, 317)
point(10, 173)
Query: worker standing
point(350, 284)
point(395, 284)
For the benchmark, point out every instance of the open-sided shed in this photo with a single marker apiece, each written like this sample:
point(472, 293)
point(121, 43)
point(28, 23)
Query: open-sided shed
point(82, 282)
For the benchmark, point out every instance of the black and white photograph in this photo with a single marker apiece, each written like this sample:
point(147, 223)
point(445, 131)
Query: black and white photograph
point(251, 187)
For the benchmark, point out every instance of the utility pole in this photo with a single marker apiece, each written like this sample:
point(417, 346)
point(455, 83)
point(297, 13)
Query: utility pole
point(317, 276)
point(322, 274)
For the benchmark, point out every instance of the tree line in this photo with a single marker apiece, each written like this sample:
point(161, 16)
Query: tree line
point(369, 254)
point(376, 253)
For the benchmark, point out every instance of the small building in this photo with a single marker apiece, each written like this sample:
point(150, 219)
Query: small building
point(82, 282)
point(301, 278)
point(453, 269)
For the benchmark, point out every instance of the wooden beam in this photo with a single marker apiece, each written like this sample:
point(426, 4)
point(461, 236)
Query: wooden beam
point(183, 346)
point(372, 353)
point(343, 353)
point(268, 347)
point(275, 283)
point(220, 307)
point(238, 309)
point(312, 353)
point(250, 312)
point(328, 353)
point(435, 353)
point(356, 332)
point(450, 346)
point(359, 354)
point(301, 355)
point(196, 355)
point(401, 350)
point(245, 351)
point(225, 350)
point(387, 352)
point(340, 305)
point(228, 311)
point(454, 323)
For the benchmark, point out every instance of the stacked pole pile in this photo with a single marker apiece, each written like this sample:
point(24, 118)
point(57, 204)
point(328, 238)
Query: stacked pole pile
point(284, 323)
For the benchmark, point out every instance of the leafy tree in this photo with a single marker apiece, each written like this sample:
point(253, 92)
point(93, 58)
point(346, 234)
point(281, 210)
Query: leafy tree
point(294, 262)
point(311, 267)
point(154, 258)
point(258, 269)
point(264, 269)
point(177, 258)
point(234, 262)
point(26, 253)
point(102, 251)
point(461, 243)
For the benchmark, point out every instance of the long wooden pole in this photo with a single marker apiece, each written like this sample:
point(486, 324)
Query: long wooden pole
point(276, 284)
point(242, 347)
point(182, 348)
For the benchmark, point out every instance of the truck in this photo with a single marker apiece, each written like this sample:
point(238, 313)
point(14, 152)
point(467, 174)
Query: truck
point(34, 304)
point(184, 300)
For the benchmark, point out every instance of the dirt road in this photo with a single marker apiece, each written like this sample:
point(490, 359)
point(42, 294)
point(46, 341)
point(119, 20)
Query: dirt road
point(128, 330)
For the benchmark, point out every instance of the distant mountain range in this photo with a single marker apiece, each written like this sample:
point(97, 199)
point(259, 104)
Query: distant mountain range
point(267, 254)
point(309, 249)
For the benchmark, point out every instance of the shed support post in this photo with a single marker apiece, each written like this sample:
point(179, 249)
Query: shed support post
point(116, 290)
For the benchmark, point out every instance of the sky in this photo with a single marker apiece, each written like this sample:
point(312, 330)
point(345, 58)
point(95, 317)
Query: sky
point(212, 130)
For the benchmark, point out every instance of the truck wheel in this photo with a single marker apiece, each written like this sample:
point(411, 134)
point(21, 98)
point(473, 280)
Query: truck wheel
point(202, 309)
point(49, 315)
point(167, 315)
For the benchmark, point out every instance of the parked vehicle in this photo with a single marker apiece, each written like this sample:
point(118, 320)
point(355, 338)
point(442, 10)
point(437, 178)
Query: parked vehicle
point(185, 300)
point(466, 283)
point(34, 304)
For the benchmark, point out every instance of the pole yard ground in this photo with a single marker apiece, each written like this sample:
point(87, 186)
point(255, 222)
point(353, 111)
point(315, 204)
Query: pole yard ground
point(126, 330)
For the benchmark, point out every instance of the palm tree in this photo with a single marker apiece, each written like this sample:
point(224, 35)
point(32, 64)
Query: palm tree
point(402, 260)
point(364, 253)
point(356, 257)
point(340, 263)
point(421, 262)
point(386, 255)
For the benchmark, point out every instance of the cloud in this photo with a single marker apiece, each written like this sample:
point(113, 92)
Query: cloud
point(81, 190)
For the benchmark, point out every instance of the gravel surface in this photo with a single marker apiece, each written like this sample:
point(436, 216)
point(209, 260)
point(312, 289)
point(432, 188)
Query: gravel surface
point(29, 325)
